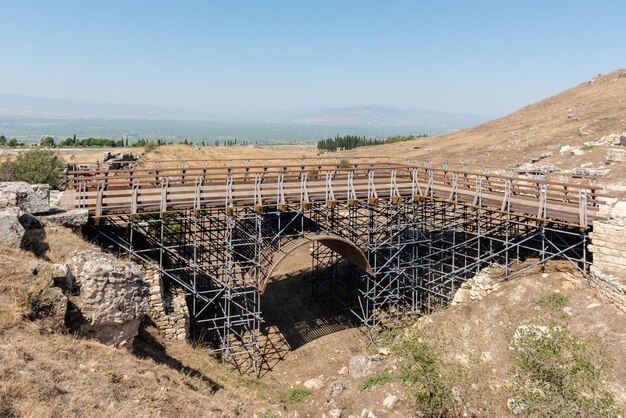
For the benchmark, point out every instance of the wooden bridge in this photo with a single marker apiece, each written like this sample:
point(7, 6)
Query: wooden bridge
point(166, 186)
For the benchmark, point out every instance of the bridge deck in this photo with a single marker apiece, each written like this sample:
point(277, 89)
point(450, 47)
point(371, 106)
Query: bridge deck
point(256, 183)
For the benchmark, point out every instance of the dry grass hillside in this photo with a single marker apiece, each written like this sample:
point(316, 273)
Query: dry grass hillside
point(466, 354)
point(584, 113)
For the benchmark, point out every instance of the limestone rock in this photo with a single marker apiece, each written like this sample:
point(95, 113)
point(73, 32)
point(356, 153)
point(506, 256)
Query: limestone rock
point(32, 266)
point(360, 366)
point(384, 351)
point(71, 218)
point(390, 401)
point(33, 198)
point(619, 210)
point(11, 231)
point(56, 302)
point(334, 389)
point(615, 155)
point(112, 298)
point(55, 198)
point(334, 413)
point(62, 277)
point(315, 383)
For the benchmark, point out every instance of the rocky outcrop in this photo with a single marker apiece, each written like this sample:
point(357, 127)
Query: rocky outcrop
point(11, 231)
point(31, 198)
point(73, 219)
point(111, 300)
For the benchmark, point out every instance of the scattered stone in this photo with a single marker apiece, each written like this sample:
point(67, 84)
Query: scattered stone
point(11, 231)
point(334, 389)
point(344, 371)
point(514, 406)
point(366, 413)
point(544, 275)
point(56, 302)
point(384, 351)
point(33, 198)
point(390, 401)
point(294, 414)
point(580, 172)
point(577, 151)
point(360, 366)
point(612, 139)
point(565, 148)
point(112, 298)
point(118, 161)
point(528, 168)
point(55, 198)
point(334, 413)
point(73, 219)
point(32, 267)
point(62, 277)
point(615, 155)
point(619, 210)
point(315, 383)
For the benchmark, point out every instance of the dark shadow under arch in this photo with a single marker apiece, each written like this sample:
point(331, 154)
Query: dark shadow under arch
point(342, 246)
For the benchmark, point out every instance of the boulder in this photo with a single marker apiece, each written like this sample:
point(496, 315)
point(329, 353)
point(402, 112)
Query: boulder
point(31, 198)
point(62, 277)
point(112, 297)
point(315, 383)
point(11, 231)
point(615, 155)
point(360, 366)
point(55, 302)
point(73, 219)
point(390, 401)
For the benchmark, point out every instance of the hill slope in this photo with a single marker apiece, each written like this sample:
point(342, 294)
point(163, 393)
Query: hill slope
point(584, 113)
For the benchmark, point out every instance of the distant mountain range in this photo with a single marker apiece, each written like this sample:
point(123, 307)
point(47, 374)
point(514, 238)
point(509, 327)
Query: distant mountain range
point(18, 106)
point(30, 118)
point(374, 115)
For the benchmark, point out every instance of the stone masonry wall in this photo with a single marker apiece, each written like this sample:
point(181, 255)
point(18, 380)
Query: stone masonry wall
point(168, 308)
point(608, 245)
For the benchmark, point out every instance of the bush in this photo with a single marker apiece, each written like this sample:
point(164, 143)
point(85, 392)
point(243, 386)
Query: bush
point(431, 383)
point(295, 395)
point(39, 166)
point(377, 379)
point(554, 300)
point(559, 375)
point(7, 171)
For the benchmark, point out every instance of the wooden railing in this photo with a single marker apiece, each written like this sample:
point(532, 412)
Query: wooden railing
point(197, 185)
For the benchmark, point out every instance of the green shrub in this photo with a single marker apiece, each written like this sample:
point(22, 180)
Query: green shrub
point(558, 375)
point(431, 383)
point(554, 300)
point(377, 379)
point(294, 395)
point(7, 171)
point(39, 166)
point(586, 147)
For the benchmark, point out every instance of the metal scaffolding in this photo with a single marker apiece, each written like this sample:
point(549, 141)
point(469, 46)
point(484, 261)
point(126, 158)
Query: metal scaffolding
point(411, 234)
point(410, 256)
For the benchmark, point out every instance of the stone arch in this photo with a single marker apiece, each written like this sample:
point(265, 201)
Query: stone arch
point(342, 246)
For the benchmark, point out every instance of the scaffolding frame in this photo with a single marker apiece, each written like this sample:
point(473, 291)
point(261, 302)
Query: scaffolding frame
point(419, 252)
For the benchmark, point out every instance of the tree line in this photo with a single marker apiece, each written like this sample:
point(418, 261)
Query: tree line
point(70, 142)
point(354, 141)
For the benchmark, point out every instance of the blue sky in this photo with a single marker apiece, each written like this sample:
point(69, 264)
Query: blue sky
point(230, 57)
